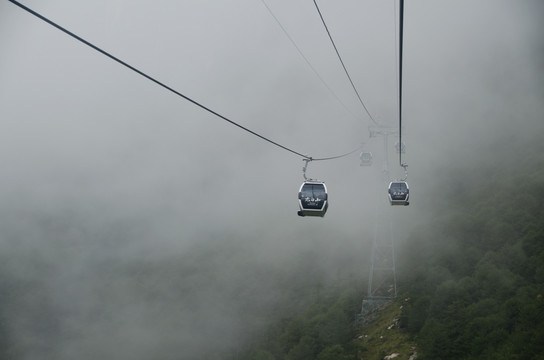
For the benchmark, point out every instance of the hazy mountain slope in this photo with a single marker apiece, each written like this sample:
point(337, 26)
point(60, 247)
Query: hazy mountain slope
point(475, 274)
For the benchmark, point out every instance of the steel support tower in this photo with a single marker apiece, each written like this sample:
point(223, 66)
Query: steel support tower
point(382, 279)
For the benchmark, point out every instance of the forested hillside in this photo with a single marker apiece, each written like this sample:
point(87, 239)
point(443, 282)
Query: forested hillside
point(475, 274)
point(471, 279)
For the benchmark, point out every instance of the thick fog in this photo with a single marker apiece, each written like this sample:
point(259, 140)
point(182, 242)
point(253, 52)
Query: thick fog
point(131, 219)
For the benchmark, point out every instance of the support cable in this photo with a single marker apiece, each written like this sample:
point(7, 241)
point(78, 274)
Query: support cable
point(306, 60)
point(167, 87)
point(401, 26)
point(338, 156)
point(396, 49)
point(344, 66)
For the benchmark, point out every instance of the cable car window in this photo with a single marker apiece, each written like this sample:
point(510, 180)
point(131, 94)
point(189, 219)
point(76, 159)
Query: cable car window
point(307, 191)
point(313, 191)
point(319, 192)
point(399, 186)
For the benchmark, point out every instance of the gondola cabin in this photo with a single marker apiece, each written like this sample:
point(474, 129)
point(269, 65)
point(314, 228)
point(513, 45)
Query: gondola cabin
point(399, 193)
point(313, 199)
point(366, 158)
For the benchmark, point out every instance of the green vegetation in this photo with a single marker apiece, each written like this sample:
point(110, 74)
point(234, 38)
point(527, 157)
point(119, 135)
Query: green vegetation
point(476, 275)
point(322, 331)
point(327, 329)
point(382, 336)
point(472, 279)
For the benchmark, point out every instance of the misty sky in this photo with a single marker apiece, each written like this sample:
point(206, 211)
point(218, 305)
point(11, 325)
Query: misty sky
point(115, 166)
point(78, 127)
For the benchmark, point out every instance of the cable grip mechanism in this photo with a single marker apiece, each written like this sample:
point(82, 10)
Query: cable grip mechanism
point(405, 166)
point(306, 161)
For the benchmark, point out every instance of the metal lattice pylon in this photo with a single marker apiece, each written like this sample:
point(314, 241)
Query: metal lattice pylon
point(382, 281)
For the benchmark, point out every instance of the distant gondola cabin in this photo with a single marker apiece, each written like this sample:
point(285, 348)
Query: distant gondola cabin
point(366, 158)
point(399, 193)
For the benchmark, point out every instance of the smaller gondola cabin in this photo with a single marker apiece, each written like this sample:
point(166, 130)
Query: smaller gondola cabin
point(313, 199)
point(399, 193)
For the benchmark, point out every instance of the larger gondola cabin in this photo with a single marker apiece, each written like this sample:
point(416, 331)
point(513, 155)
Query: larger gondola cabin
point(313, 198)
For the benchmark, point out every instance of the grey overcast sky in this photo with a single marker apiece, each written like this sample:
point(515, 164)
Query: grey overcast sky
point(79, 127)
point(84, 139)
